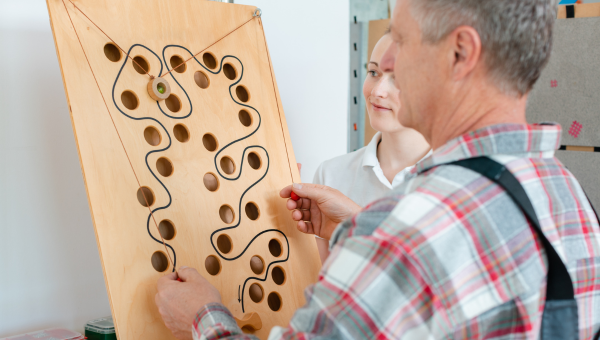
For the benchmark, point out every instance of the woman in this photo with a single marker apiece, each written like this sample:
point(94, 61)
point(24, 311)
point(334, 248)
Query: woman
point(370, 172)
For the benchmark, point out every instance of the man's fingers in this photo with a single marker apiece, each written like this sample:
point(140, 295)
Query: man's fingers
point(305, 227)
point(286, 192)
point(304, 203)
point(166, 280)
point(292, 205)
point(188, 274)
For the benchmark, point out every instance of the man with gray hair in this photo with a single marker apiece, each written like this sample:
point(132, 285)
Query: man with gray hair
point(491, 238)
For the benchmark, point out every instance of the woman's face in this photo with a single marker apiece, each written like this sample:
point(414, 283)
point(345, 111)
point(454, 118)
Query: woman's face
point(382, 97)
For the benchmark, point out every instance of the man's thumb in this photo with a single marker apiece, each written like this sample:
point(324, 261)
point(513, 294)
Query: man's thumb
point(187, 273)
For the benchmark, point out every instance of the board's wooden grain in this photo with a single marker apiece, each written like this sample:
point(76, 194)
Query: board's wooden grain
point(124, 243)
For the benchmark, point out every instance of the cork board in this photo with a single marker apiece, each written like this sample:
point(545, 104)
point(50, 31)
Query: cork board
point(209, 160)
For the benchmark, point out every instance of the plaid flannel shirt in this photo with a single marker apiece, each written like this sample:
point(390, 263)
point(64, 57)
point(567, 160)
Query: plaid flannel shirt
point(449, 255)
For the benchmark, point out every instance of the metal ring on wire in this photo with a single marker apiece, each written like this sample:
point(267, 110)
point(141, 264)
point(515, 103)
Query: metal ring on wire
point(257, 13)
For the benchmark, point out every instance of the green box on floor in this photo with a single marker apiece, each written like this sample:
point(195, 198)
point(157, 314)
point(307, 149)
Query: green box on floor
point(101, 329)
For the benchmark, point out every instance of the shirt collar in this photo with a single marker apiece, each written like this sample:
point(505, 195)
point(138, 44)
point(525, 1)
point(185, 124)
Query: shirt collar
point(370, 156)
point(506, 139)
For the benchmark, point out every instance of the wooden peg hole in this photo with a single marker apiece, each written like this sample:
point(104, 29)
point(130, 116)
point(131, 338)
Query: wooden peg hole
point(140, 65)
point(278, 275)
point(201, 80)
point(159, 261)
point(256, 292)
point(167, 229)
point(212, 265)
point(227, 165)
point(257, 264)
point(254, 160)
point(181, 133)
point(242, 93)
point(210, 142)
point(224, 243)
point(164, 167)
point(245, 118)
point(252, 211)
point(226, 213)
point(130, 100)
point(209, 60)
point(275, 247)
point(274, 301)
point(250, 323)
point(229, 71)
point(211, 182)
point(112, 52)
point(176, 61)
point(173, 103)
point(145, 196)
point(152, 136)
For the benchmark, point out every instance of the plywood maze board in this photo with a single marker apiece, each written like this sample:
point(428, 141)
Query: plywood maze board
point(210, 158)
point(568, 92)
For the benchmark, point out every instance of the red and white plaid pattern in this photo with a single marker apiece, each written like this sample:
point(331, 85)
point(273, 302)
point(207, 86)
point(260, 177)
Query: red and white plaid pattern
point(448, 255)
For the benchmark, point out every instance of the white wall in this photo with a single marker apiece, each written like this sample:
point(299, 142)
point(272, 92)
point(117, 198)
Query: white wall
point(50, 272)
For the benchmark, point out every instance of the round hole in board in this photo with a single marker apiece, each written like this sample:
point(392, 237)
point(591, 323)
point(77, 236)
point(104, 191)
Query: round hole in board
point(209, 60)
point(140, 65)
point(248, 329)
point(201, 80)
point(226, 213)
point(211, 182)
point(278, 275)
point(227, 165)
point(257, 264)
point(152, 136)
point(242, 93)
point(245, 118)
point(145, 196)
point(256, 292)
point(164, 166)
point(274, 301)
point(210, 142)
point(252, 211)
point(166, 229)
point(112, 52)
point(254, 160)
point(181, 133)
point(275, 248)
point(212, 265)
point(177, 61)
point(159, 261)
point(130, 100)
point(224, 243)
point(173, 103)
point(229, 71)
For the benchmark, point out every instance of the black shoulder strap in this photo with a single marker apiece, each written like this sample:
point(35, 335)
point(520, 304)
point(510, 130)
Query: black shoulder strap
point(559, 286)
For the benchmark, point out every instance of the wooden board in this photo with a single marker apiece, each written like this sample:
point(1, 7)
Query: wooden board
point(377, 29)
point(116, 145)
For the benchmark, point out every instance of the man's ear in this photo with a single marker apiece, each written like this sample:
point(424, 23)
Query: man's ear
point(465, 44)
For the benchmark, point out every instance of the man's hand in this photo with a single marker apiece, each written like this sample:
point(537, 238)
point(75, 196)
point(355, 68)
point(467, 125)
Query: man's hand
point(178, 302)
point(320, 208)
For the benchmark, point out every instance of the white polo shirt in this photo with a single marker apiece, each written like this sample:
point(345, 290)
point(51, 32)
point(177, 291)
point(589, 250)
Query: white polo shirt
point(358, 174)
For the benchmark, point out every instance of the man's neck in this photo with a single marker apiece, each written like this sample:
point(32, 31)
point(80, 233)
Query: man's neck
point(476, 109)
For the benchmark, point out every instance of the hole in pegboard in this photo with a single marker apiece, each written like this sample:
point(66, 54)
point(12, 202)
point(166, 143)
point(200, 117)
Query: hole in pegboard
point(152, 136)
point(210, 142)
point(245, 118)
point(130, 100)
point(242, 93)
point(224, 243)
point(209, 60)
point(173, 103)
point(211, 182)
point(167, 229)
point(256, 292)
point(181, 133)
point(227, 165)
point(275, 247)
point(112, 52)
point(252, 211)
point(177, 61)
point(226, 213)
point(257, 264)
point(254, 160)
point(201, 80)
point(145, 196)
point(159, 261)
point(278, 275)
point(274, 301)
point(140, 65)
point(164, 167)
point(229, 71)
point(212, 265)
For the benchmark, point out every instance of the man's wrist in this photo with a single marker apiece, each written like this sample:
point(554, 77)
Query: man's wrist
point(217, 320)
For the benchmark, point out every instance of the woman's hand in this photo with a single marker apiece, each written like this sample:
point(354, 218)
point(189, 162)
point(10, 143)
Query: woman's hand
point(320, 208)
